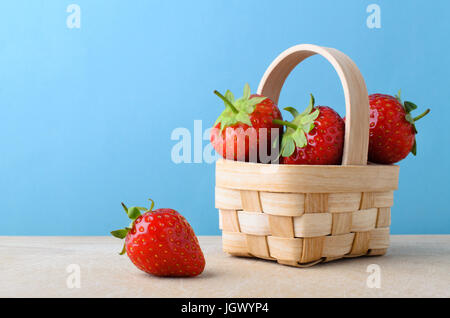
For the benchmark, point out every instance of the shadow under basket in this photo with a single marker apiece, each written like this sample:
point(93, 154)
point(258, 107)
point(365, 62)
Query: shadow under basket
point(302, 215)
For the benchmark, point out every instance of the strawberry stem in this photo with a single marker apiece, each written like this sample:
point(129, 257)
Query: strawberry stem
point(284, 123)
point(226, 101)
point(421, 115)
point(152, 205)
point(124, 207)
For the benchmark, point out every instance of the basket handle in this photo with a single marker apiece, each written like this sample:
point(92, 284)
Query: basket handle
point(356, 140)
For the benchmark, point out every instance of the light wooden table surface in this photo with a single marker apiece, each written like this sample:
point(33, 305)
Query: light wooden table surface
point(415, 266)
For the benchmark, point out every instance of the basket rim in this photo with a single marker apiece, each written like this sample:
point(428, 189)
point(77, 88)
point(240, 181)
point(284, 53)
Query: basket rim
point(306, 178)
point(285, 166)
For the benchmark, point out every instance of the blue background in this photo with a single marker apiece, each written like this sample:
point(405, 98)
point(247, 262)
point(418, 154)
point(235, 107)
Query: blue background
point(86, 114)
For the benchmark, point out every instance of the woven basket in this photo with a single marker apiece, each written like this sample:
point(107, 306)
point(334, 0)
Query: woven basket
point(301, 215)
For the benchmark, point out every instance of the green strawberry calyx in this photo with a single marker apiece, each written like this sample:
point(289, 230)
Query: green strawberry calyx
point(133, 213)
point(237, 110)
point(296, 130)
point(409, 107)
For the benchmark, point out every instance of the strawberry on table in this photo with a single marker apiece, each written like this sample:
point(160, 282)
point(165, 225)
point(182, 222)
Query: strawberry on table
point(392, 129)
point(314, 137)
point(243, 125)
point(161, 242)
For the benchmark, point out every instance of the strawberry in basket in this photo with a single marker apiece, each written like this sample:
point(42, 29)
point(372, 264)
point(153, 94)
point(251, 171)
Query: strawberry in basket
point(161, 242)
point(246, 123)
point(392, 129)
point(314, 137)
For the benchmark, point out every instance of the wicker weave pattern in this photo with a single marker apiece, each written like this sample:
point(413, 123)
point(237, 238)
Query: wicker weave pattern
point(304, 229)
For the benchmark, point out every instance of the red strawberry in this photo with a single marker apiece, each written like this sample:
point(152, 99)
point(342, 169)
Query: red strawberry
point(243, 124)
point(314, 137)
point(392, 129)
point(161, 243)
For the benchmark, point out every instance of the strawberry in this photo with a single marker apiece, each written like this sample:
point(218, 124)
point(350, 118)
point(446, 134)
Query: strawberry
point(161, 242)
point(243, 125)
point(314, 137)
point(392, 129)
